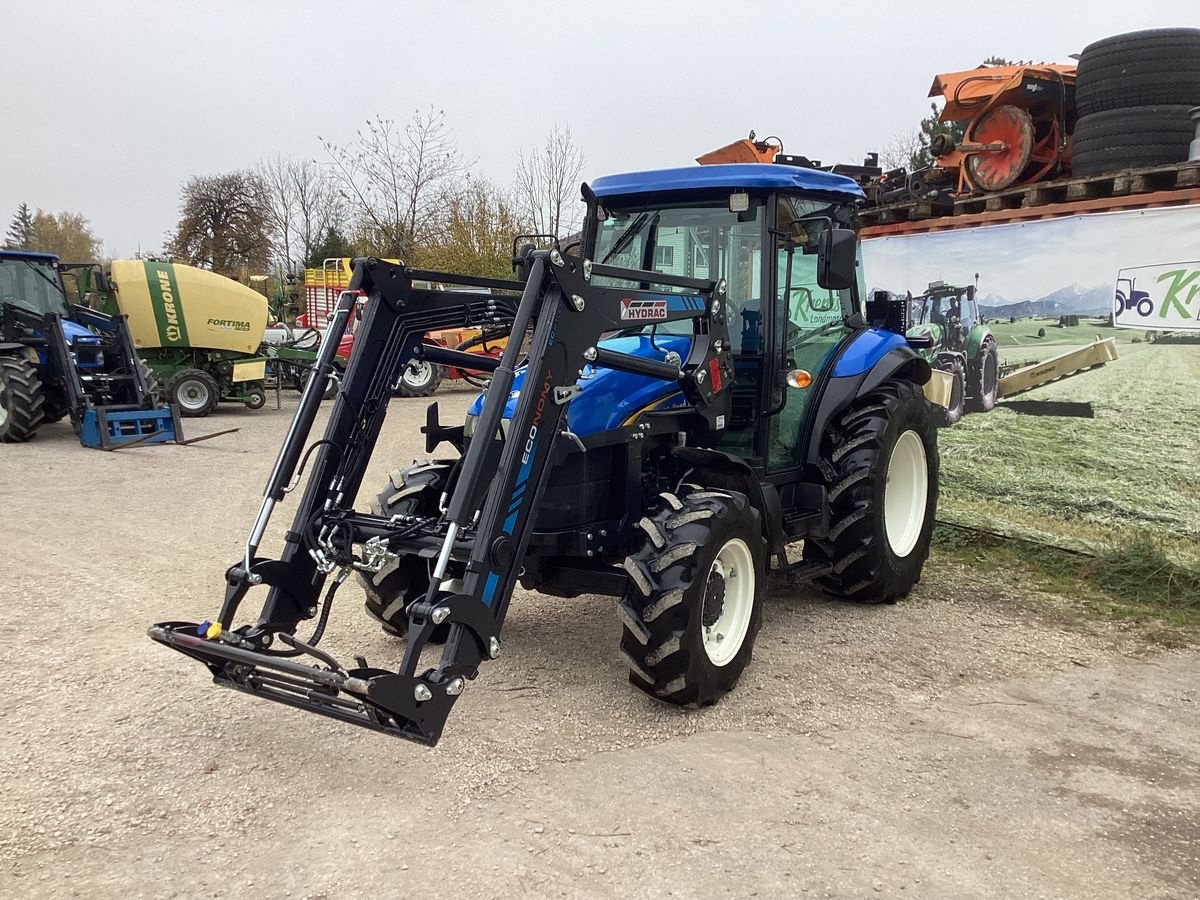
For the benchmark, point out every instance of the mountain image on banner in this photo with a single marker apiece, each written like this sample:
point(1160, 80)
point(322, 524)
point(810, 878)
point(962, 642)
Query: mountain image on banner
point(1074, 299)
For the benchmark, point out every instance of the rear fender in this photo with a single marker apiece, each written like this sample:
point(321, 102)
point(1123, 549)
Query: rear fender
point(712, 468)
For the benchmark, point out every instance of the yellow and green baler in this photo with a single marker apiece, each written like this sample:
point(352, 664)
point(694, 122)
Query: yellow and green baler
point(199, 332)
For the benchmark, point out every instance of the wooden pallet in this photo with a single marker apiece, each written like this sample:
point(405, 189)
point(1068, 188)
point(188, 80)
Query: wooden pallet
point(1175, 177)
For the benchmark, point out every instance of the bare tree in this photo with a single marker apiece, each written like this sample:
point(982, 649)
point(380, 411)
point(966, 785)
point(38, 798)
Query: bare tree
point(907, 150)
point(547, 184)
point(223, 223)
point(397, 179)
point(276, 177)
point(303, 203)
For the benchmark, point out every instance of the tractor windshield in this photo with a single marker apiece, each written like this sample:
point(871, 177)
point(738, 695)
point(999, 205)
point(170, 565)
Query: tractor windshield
point(695, 240)
point(944, 305)
point(32, 284)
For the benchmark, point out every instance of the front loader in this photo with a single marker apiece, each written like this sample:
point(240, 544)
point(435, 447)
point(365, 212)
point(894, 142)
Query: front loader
point(703, 392)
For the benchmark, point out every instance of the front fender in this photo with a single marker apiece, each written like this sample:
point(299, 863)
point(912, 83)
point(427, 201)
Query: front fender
point(890, 359)
point(975, 340)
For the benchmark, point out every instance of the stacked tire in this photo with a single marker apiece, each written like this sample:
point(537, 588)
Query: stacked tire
point(1133, 93)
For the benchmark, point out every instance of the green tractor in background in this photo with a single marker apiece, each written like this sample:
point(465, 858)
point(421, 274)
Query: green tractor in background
point(953, 337)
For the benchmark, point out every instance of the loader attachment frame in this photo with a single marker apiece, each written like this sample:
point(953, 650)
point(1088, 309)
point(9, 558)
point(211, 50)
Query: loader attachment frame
point(490, 512)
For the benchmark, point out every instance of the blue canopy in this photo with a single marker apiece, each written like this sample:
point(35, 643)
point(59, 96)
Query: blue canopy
point(731, 176)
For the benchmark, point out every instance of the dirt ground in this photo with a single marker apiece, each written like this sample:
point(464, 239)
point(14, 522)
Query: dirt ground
point(965, 743)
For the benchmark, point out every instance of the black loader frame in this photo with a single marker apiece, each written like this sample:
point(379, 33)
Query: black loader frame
point(489, 513)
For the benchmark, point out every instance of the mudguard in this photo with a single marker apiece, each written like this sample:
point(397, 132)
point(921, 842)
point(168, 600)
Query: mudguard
point(735, 473)
point(865, 362)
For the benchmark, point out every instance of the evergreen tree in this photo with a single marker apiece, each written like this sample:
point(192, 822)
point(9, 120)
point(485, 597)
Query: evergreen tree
point(21, 232)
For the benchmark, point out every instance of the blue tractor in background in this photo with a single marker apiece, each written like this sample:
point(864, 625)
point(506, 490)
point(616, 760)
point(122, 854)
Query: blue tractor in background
point(694, 396)
point(59, 360)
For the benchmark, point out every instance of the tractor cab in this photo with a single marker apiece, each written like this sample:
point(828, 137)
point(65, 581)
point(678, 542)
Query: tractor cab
point(780, 237)
point(32, 282)
point(951, 309)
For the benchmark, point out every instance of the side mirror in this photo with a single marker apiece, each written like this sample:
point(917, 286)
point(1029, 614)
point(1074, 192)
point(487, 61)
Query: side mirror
point(836, 258)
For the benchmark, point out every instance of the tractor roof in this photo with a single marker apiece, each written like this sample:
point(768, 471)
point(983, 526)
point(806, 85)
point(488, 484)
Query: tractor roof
point(27, 254)
point(735, 176)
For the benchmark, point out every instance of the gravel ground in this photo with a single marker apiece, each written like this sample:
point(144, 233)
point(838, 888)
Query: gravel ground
point(965, 743)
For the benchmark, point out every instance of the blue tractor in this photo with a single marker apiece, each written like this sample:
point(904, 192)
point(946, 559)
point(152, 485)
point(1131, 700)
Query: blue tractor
point(694, 396)
point(59, 360)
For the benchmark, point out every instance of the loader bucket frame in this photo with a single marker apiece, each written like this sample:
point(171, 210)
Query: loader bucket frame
point(491, 510)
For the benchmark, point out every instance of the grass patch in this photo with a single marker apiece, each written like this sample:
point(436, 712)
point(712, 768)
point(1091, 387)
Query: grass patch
point(1123, 489)
point(1089, 484)
point(1135, 581)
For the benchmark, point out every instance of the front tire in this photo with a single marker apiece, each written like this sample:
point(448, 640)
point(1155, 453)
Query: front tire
point(256, 397)
point(880, 460)
point(694, 603)
point(414, 491)
point(21, 400)
point(194, 391)
point(985, 380)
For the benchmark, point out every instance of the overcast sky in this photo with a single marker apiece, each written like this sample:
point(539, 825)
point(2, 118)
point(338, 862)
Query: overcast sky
point(109, 107)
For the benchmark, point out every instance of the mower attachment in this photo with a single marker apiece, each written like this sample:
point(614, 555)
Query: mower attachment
point(474, 547)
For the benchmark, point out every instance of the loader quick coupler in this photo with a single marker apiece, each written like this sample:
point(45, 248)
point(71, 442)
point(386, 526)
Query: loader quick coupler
point(472, 547)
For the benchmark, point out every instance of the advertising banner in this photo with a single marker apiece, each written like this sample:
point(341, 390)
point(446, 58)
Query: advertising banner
point(1141, 267)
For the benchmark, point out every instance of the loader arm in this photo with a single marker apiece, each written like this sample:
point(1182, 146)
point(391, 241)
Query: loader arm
point(492, 508)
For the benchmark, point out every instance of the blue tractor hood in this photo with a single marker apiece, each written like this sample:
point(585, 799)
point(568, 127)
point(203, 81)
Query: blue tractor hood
point(73, 331)
point(609, 398)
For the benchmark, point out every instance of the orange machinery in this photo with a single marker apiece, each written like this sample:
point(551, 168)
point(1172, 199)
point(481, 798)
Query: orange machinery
point(1017, 119)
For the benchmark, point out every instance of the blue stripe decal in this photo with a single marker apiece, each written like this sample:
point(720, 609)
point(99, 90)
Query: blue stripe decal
point(489, 588)
point(511, 521)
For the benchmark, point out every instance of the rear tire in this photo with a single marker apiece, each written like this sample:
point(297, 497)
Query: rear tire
point(881, 464)
point(21, 400)
point(420, 378)
point(694, 602)
point(414, 491)
point(194, 391)
point(985, 381)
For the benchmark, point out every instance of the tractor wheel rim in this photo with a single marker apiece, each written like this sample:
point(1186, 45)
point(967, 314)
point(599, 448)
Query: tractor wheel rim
point(193, 395)
point(418, 374)
point(3, 409)
point(905, 494)
point(734, 566)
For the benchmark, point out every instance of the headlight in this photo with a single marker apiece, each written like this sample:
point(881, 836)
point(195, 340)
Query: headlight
point(472, 421)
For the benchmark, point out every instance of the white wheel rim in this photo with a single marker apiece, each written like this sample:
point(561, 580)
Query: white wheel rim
point(724, 638)
point(3, 408)
point(193, 395)
point(905, 494)
point(418, 374)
